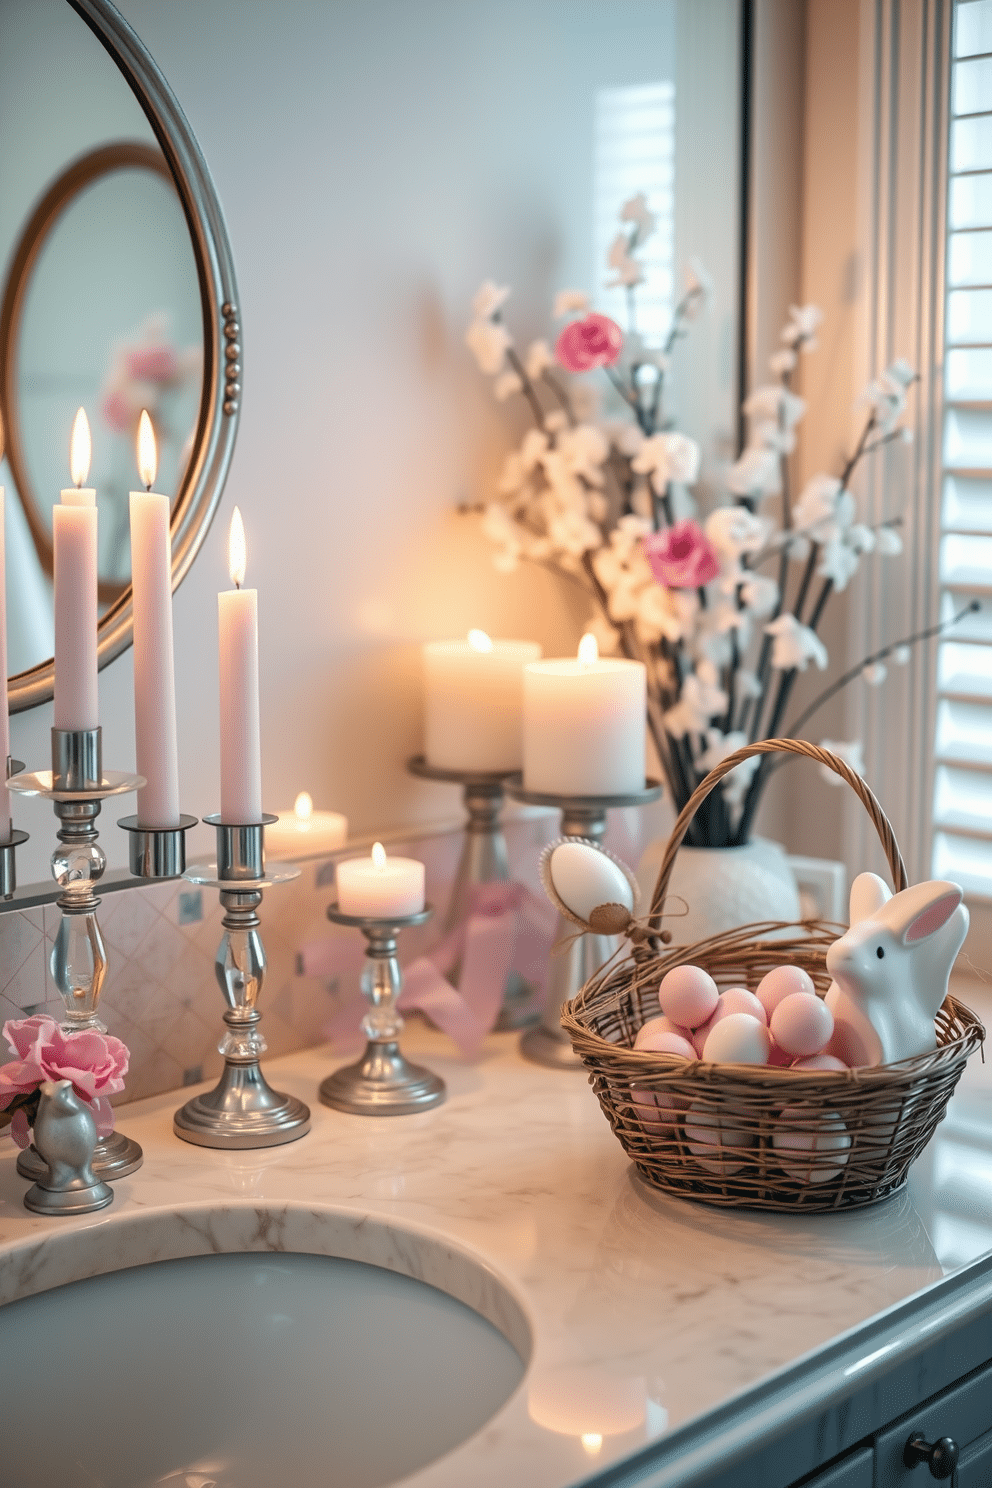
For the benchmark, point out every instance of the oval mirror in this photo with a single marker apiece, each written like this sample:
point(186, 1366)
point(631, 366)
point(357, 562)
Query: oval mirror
point(118, 294)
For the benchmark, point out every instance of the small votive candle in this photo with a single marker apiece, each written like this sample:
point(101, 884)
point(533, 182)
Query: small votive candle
point(304, 832)
point(378, 888)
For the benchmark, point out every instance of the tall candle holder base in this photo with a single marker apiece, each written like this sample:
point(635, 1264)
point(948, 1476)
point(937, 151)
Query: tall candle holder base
point(77, 786)
point(243, 1111)
point(483, 860)
point(383, 1082)
point(574, 958)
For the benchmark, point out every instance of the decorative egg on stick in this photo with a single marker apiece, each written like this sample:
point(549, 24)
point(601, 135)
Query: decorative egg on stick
point(589, 886)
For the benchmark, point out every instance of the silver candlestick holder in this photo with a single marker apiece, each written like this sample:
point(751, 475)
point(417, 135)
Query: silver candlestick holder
point(77, 786)
point(383, 1082)
point(157, 852)
point(483, 860)
point(8, 849)
point(574, 958)
point(243, 1111)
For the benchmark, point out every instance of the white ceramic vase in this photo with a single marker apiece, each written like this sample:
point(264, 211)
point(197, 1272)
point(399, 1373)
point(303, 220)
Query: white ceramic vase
point(723, 887)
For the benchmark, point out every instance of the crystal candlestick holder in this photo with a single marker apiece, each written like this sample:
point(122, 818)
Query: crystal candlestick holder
point(77, 786)
point(574, 958)
point(383, 1082)
point(8, 849)
point(243, 1111)
point(483, 860)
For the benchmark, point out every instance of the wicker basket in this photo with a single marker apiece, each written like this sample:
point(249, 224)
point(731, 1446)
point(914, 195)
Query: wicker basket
point(717, 1133)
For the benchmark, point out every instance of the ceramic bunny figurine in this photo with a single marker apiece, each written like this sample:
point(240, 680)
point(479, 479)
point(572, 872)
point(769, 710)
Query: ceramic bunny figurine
point(890, 969)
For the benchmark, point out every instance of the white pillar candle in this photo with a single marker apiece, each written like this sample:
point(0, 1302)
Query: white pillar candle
point(378, 887)
point(473, 693)
point(74, 563)
point(584, 725)
point(156, 745)
point(304, 832)
point(240, 734)
point(4, 701)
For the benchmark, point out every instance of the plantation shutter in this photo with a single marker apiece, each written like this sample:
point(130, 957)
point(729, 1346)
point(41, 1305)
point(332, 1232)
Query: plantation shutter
point(962, 801)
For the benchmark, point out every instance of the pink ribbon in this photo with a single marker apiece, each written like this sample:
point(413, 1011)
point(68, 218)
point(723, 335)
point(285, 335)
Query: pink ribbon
point(507, 929)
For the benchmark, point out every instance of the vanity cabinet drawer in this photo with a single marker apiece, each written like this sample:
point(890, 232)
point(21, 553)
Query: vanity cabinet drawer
point(963, 1412)
point(854, 1471)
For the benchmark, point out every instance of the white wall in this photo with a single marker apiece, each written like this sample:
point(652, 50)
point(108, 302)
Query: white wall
point(375, 162)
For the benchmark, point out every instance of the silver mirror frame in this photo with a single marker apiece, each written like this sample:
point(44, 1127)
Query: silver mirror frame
point(220, 401)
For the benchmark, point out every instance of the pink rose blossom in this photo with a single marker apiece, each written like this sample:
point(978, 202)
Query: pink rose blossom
point(681, 557)
point(96, 1063)
point(593, 341)
point(152, 363)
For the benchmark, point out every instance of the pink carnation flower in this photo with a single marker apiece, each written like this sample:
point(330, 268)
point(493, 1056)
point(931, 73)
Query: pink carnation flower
point(96, 1063)
point(152, 363)
point(593, 341)
point(682, 557)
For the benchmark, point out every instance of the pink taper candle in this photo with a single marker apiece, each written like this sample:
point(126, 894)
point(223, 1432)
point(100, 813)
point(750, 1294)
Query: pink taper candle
point(156, 746)
point(4, 704)
point(74, 542)
point(240, 741)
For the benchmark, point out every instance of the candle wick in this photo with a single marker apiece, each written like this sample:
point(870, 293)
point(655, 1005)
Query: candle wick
point(148, 486)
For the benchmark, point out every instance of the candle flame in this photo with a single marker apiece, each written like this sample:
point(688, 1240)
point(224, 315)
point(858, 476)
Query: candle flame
point(303, 807)
point(479, 641)
point(80, 448)
point(147, 451)
point(588, 649)
point(236, 552)
point(378, 855)
point(592, 1442)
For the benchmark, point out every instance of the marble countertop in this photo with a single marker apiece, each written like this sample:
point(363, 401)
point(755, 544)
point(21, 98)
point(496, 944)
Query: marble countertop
point(640, 1316)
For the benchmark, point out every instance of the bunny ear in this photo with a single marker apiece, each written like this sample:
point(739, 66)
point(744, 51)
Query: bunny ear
point(920, 911)
point(868, 894)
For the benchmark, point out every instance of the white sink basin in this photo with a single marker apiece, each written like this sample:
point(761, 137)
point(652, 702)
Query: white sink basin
point(244, 1371)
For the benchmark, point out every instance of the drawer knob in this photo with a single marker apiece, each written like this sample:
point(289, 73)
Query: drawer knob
point(940, 1456)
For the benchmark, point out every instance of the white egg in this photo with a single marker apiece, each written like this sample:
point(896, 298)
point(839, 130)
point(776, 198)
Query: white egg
point(738, 1039)
point(805, 1136)
point(712, 1137)
point(584, 877)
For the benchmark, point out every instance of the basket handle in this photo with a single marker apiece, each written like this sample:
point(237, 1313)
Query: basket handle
point(777, 746)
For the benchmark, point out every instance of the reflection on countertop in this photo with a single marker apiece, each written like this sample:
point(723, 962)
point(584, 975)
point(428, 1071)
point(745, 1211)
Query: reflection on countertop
point(644, 1312)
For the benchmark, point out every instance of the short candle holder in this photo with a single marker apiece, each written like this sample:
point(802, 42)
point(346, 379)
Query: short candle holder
point(383, 1082)
point(483, 860)
point(574, 958)
point(243, 1111)
point(8, 849)
point(77, 786)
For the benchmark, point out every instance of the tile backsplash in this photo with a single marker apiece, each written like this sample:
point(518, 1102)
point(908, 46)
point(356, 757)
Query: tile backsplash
point(161, 996)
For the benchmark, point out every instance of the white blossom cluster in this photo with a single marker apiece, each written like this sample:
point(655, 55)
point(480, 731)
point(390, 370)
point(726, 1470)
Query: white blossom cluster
point(597, 498)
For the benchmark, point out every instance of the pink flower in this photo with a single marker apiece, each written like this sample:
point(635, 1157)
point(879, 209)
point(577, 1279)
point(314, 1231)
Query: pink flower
point(96, 1063)
point(152, 363)
point(681, 557)
point(593, 341)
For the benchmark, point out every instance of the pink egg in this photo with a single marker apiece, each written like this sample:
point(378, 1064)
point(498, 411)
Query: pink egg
point(654, 1026)
point(820, 1062)
point(812, 1145)
point(738, 1039)
point(656, 1107)
point(660, 1041)
point(781, 982)
point(734, 1000)
point(688, 995)
point(802, 1024)
point(712, 1137)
